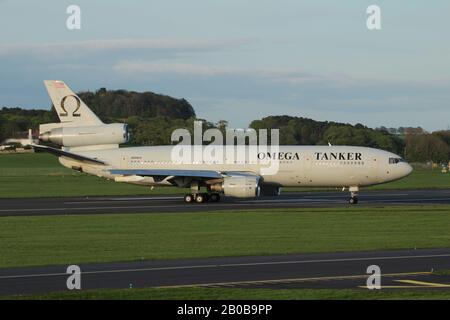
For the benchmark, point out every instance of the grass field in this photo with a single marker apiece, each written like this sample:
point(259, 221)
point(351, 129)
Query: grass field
point(239, 294)
point(41, 175)
point(43, 240)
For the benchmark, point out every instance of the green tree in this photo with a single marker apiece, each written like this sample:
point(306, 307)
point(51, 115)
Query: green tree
point(426, 147)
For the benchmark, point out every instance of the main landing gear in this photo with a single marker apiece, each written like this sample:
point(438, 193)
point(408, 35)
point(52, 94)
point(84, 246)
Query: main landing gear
point(353, 195)
point(198, 197)
point(201, 197)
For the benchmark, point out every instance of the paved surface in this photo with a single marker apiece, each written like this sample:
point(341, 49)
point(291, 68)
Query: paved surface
point(400, 269)
point(152, 204)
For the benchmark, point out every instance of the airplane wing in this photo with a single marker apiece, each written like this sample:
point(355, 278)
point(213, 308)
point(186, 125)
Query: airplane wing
point(180, 177)
point(207, 174)
point(59, 152)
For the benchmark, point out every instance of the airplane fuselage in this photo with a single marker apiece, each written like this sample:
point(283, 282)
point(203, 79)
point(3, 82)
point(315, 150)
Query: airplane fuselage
point(324, 166)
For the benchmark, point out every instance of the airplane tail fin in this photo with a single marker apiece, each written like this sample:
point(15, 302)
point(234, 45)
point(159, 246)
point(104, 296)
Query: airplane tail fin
point(69, 107)
point(79, 128)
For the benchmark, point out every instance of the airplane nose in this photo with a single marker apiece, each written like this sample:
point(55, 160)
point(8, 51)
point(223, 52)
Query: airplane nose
point(408, 169)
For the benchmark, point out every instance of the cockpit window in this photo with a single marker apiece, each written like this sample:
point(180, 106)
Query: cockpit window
point(395, 160)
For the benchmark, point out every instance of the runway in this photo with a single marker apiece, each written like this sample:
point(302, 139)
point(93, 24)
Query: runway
point(399, 269)
point(168, 204)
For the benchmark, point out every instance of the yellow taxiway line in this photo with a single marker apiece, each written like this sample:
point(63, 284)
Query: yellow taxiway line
point(426, 284)
point(277, 281)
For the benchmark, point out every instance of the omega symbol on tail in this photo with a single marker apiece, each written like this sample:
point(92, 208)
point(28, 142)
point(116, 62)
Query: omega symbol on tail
point(74, 113)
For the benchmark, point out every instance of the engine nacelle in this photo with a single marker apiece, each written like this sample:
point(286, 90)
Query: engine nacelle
point(114, 133)
point(239, 186)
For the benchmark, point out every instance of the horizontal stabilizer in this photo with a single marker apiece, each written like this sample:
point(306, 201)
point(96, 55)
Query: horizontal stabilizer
point(59, 152)
point(170, 172)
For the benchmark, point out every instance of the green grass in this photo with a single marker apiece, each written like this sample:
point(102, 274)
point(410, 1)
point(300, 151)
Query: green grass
point(419, 179)
point(41, 175)
point(43, 240)
point(239, 294)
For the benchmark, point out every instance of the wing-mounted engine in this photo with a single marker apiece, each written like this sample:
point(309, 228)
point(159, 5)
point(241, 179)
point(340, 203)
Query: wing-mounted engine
point(239, 186)
point(74, 136)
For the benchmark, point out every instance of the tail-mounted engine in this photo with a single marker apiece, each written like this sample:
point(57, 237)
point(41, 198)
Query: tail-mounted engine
point(106, 134)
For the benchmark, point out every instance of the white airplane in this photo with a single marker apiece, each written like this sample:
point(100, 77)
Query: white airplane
point(91, 146)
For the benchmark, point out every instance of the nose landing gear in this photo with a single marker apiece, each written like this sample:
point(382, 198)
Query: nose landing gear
point(353, 195)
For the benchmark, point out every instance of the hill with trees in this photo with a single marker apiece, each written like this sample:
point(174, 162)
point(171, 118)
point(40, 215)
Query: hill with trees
point(121, 104)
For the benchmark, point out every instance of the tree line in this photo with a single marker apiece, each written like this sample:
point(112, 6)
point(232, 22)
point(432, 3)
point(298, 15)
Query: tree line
point(152, 118)
point(414, 144)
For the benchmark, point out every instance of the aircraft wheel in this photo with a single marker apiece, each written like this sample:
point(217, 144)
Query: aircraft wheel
point(214, 197)
point(200, 198)
point(353, 200)
point(188, 198)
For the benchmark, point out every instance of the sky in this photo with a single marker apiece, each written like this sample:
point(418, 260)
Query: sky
point(239, 60)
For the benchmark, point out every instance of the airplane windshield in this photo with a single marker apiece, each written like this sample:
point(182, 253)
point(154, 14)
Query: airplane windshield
point(395, 160)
